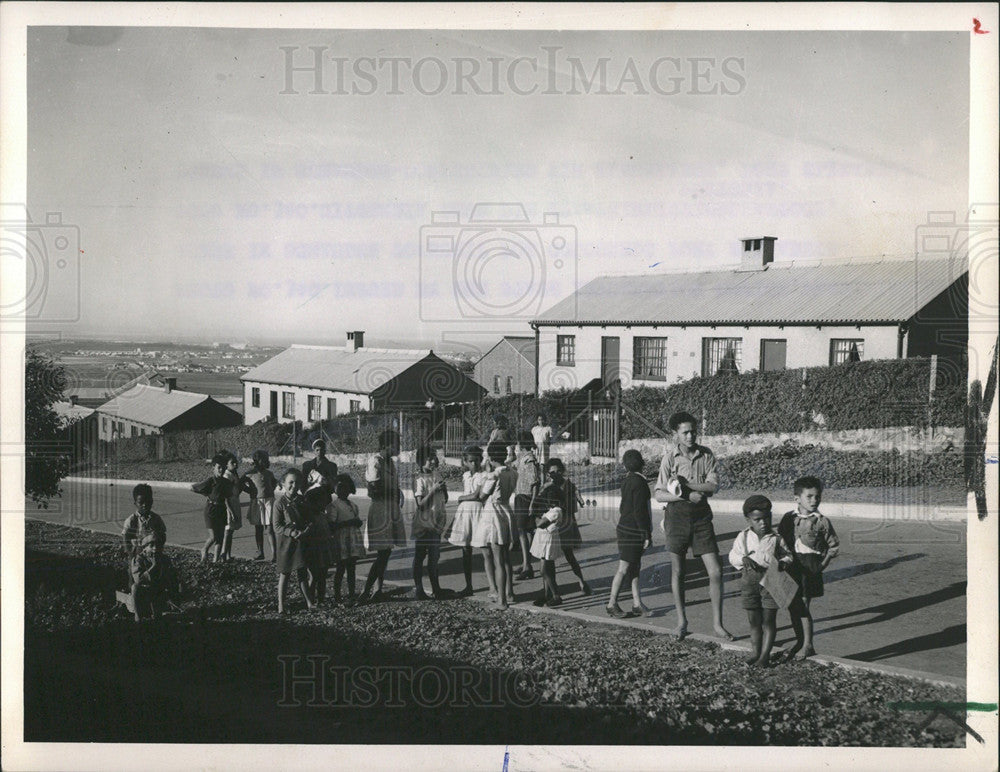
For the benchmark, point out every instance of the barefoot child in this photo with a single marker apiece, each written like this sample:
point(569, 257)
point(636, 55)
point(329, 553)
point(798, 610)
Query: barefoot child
point(217, 491)
point(429, 521)
point(349, 545)
point(384, 528)
point(754, 549)
point(144, 535)
point(562, 493)
point(545, 546)
point(814, 544)
point(497, 521)
point(529, 479)
point(687, 478)
point(635, 533)
point(260, 484)
point(470, 510)
point(234, 519)
point(291, 523)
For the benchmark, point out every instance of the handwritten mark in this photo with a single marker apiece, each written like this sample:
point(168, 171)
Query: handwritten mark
point(506, 757)
point(656, 264)
point(978, 28)
point(946, 709)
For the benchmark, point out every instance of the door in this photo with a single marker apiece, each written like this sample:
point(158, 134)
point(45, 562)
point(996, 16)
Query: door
point(772, 354)
point(274, 405)
point(610, 359)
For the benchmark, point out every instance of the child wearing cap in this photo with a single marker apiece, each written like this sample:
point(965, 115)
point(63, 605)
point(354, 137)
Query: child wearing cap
point(754, 549)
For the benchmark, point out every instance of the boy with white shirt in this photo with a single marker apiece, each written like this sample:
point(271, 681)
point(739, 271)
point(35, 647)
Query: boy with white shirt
point(814, 544)
point(754, 549)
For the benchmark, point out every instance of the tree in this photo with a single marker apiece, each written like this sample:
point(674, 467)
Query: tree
point(45, 456)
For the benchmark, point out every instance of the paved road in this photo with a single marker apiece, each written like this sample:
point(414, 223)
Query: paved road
point(895, 595)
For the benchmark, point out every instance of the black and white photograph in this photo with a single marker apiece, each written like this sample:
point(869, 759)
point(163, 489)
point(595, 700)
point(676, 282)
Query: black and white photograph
point(499, 386)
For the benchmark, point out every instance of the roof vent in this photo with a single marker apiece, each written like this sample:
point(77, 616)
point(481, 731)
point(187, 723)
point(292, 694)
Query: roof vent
point(757, 252)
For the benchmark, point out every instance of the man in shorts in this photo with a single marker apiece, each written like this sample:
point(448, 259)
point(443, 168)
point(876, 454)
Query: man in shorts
point(687, 479)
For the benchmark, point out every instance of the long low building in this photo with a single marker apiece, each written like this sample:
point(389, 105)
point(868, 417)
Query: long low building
point(658, 329)
point(315, 383)
point(145, 409)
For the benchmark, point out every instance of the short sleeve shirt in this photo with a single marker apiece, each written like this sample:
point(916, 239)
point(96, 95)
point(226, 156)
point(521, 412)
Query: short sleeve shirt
point(542, 435)
point(528, 475)
point(699, 469)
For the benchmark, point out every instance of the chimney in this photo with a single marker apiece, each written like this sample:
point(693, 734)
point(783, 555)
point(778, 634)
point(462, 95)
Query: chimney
point(72, 399)
point(169, 384)
point(756, 253)
point(355, 340)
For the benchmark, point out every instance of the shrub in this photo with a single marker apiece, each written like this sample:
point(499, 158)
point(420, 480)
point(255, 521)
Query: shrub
point(854, 395)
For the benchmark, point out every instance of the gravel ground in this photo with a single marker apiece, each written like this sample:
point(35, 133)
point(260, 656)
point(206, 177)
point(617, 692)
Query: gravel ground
point(404, 671)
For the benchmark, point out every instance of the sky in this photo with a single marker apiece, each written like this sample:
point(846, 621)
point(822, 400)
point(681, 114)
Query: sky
point(210, 205)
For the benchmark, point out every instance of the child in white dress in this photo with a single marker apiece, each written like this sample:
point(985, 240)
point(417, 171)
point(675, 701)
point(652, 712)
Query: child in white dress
point(546, 547)
point(469, 513)
point(495, 534)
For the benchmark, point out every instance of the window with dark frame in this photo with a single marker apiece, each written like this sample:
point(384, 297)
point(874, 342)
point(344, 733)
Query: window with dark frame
point(254, 397)
point(510, 384)
point(315, 405)
point(496, 384)
point(773, 352)
point(719, 352)
point(846, 350)
point(566, 350)
point(649, 359)
point(331, 407)
point(287, 404)
point(355, 405)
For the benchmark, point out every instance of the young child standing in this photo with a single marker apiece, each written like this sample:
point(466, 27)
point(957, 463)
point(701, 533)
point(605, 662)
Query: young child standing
point(291, 522)
point(814, 544)
point(687, 478)
point(754, 549)
point(260, 484)
point(217, 491)
point(348, 543)
point(545, 546)
point(235, 517)
point(635, 534)
point(145, 535)
point(529, 478)
point(470, 510)
point(431, 495)
point(384, 528)
point(318, 542)
point(497, 521)
point(562, 493)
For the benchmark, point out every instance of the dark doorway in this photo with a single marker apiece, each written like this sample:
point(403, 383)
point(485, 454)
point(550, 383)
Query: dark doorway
point(274, 405)
point(772, 354)
point(610, 359)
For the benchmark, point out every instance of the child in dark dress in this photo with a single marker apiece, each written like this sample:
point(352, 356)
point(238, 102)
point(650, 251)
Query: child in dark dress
point(291, 524)
point(635, 534)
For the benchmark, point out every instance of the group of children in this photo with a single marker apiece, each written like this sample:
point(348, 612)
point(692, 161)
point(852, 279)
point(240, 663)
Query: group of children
point(509, 501)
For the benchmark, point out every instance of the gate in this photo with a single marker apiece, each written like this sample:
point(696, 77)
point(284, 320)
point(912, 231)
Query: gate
point(603, 435)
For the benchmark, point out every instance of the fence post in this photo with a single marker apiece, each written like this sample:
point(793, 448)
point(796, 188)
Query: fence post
point(930, 394)
point(704, 420)
point(804, 423)
point(295, 444)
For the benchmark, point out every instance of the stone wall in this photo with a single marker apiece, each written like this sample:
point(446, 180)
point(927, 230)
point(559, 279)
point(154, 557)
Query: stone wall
point(902, 438)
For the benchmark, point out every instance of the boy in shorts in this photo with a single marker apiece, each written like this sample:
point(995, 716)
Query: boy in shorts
point(814, 544)
point(754, 549)
point(687, 478)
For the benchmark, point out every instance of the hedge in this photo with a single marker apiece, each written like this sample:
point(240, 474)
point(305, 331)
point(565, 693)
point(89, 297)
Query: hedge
point(200, 444)
point(854, 395)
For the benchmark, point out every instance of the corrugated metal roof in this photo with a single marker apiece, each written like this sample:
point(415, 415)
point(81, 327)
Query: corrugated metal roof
point(889, 290)
point(335, 368)
point(151, 404)
point(68, 412)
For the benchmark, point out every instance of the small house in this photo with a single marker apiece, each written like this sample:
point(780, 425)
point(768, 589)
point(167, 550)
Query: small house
point(508, 367)
point(146, 409)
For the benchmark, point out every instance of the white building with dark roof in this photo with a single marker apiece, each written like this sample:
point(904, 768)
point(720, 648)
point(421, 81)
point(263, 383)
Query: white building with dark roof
point(315, 383)
point(658, 329)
